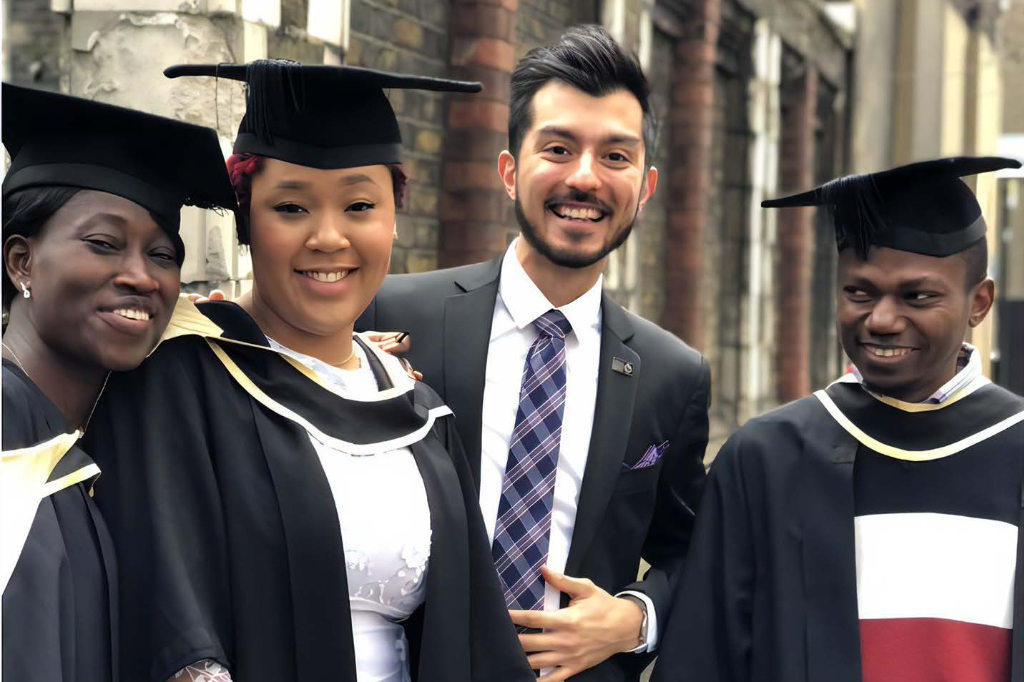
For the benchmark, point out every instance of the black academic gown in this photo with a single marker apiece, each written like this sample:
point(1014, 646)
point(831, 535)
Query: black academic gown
point(229, 538)
point(59, 593)
point(770, 588)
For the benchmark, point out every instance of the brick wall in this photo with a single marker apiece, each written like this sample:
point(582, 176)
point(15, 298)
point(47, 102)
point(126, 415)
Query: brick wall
point(541, 22)
point(410, 36)
point(794, 267)
point(650, 229)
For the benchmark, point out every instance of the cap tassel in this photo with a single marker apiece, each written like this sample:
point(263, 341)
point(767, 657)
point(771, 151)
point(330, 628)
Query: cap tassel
point(856, 207)
point(262, 75)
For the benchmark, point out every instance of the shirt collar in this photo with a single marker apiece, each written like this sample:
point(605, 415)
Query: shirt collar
point(525, 302)
point(968, 366)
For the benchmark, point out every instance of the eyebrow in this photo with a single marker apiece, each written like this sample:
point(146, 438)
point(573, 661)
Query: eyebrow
point(291, 184)
point(572, 137)
point(357, 179)
point(907, 284)
point(922, 283)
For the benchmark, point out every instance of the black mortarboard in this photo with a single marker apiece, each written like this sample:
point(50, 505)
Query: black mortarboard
point(319, 116)
point(159, 163)
point(922, 207)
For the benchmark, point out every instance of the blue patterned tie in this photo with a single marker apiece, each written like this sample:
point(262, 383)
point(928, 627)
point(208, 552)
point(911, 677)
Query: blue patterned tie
point(524, 515)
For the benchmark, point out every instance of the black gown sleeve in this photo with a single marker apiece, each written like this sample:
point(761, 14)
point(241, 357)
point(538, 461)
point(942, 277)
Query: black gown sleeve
point(495, 653)
point(709, 633)
point(159, 495)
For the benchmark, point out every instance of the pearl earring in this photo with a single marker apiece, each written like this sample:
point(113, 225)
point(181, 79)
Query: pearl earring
point(24, 291)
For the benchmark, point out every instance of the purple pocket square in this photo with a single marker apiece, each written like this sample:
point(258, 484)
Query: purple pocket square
point(650, 457)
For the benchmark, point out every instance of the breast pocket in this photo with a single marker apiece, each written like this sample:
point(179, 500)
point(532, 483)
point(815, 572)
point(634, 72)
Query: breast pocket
point(636, 480)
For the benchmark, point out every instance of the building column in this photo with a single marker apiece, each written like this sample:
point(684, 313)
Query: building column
point(794, 267)
point(757, 325)
point(156, 34)
point(476, 213)
point(690, 126)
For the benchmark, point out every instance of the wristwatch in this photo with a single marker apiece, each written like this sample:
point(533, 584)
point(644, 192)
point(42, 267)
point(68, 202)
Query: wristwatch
point(643, 625)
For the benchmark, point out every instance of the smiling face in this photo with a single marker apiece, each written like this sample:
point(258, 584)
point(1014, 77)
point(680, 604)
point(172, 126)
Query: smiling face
point(321, 245)
point(902, 318)
point(578, 179)
point(104, 280)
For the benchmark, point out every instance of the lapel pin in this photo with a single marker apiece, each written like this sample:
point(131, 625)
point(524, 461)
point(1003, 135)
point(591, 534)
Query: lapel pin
point(622, 366)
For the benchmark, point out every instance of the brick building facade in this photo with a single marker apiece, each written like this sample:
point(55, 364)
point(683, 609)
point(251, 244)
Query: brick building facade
point(749, 93)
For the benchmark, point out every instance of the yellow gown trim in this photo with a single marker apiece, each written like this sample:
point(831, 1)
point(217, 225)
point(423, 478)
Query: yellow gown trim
point(913, 455)
point(24, 475)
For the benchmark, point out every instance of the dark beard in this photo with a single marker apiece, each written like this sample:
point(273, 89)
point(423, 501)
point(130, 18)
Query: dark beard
point(562, 258)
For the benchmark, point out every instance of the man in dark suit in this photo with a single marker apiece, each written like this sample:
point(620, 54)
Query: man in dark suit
point(585, 426)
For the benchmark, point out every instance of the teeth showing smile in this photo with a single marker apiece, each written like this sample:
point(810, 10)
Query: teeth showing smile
point(326, 276)
point(577, 212)
point(132, 314)
point(887, 352)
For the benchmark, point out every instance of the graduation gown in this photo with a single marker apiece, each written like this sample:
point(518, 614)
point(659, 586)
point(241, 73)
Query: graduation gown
point(229, 538)
point(57, 566)
point(770, 589)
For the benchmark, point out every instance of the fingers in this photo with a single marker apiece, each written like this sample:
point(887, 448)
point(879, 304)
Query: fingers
point(574, 587)
point(417, 376)
point(215, 295)
point(547, 659)
point(558, 675)
point(536, 620)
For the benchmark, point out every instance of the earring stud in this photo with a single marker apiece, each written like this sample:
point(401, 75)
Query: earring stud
point(24, 291)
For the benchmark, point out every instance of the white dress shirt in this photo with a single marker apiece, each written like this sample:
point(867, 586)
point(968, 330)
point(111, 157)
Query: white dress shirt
point(385, 522)
point(518, 304)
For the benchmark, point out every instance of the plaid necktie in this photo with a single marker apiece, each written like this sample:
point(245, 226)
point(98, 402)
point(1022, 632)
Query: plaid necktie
point(524, 515)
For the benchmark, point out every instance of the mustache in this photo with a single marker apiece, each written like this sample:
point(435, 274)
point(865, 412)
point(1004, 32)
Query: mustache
point(581, 198)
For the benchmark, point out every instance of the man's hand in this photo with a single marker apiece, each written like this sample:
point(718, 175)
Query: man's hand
point(397, 344)
point(594, 627)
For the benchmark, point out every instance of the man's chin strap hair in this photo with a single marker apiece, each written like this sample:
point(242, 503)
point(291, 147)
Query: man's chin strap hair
point(587, 58)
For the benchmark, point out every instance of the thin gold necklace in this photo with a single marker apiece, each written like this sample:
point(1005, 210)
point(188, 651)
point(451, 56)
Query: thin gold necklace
point(14, 356)
point(345, 361)
point(17, 361)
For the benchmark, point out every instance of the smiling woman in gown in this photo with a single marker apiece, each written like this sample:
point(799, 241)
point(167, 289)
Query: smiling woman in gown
point(292, 504)
point(92, 259)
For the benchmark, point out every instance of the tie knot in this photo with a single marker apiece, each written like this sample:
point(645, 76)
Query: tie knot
point(553, 324)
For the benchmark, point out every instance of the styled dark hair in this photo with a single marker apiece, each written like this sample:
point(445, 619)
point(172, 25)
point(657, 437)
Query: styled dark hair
point(587, 58)
point(25, 213)
point(242, 167)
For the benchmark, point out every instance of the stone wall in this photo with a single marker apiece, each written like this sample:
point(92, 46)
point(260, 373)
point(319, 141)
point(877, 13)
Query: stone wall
point(1011, 45)
point(33, 43)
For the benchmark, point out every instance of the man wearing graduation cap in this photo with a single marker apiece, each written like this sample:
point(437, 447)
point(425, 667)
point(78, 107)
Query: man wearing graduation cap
point(871, 531)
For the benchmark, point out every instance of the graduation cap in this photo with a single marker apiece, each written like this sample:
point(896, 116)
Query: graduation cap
point(159, 163)
point(922, 207)
point(319, 116)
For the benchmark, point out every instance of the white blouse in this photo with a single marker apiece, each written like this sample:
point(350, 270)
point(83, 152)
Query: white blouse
point(385, 523)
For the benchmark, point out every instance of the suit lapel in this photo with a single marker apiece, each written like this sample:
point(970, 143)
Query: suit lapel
point(467, 332)
point(613, 416)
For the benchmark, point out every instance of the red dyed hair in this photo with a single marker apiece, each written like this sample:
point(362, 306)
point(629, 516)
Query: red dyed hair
point(242, 168)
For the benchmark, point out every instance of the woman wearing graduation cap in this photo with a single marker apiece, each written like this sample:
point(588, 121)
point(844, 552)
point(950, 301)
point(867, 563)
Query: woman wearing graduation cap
point(292, 504)
point(92, 259)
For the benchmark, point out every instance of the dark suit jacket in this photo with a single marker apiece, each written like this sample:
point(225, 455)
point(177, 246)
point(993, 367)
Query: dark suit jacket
point(623, 514)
